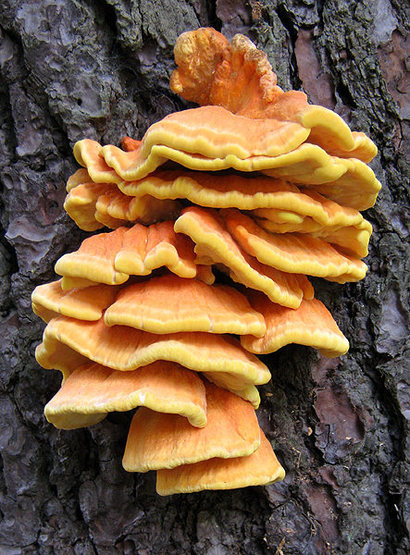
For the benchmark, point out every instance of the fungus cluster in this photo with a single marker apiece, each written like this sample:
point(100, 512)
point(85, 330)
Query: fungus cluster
point(256, 184)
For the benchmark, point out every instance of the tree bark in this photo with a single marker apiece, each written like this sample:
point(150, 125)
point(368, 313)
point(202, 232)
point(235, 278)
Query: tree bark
point(99, 69)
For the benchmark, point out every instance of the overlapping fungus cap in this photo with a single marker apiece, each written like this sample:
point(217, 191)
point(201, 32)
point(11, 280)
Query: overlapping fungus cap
point(292, 252)
point(112, 257)
point(95, 205)
point(158, 440)
point(212, 71)
point(92, 390)
point(200, 131)
point(246, 192)
point(311, 324)
point(323, 218)
point(352, 240)
point(50, 300)
point(205, 138)
point(214, 245)
point(68, 343)
point(169, 304)
point(95, 258)
point(281, 206)
point(88, 154)
point(259, 468)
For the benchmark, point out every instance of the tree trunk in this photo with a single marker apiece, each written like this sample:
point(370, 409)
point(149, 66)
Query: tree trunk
point(99, 69)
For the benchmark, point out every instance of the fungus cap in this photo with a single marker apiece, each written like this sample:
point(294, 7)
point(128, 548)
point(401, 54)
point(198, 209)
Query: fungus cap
point(311, 324)
point(124, 348)
point(212, 71)
point(146, 249)
point(112, 257)
point(165, 440)
point(348, 181)
point(260, 468)
point(307, 164)
point(95, 259)
point(88, 154)
point(68, 283)
point(52, 353)
point(80, 203)
point(78, 178)
point(214, 244)
point(292, 252)
point(169, 304)
point(352, 240)
point(92, 390)
point(356, 187)
point(49, 300)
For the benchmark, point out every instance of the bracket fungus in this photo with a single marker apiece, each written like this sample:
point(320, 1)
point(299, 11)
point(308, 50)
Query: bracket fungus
point(157, 440)
point(168, 304)
point(92, 390)
point(137, 320)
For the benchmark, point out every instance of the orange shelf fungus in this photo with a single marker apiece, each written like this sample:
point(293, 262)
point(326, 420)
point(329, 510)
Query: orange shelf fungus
point(311, 324)
point(91, 391)
point(95, 205)
point(113, 257)
point(292, 252)
point(357, 187)
point(258, 469)
point(88, 154)
point(49, 300)
point(352, 240)
point(124, 348)
point(215, 245)
point(262, 186)
point(88, 203)
point(307, 165)
point(80, 203)
point(146, 249)
point(212, 71)
point(169, 304)
point(94, 260)
point(206, 138)
point(157, 440)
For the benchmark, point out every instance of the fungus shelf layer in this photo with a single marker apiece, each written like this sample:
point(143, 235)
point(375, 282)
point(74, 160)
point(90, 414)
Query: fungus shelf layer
point(138, 318)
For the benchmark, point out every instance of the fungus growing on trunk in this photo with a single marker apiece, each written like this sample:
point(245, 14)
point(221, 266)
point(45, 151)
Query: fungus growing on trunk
point(123, 337)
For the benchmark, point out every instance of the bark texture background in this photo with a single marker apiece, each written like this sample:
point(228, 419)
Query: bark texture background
point(99, 69)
